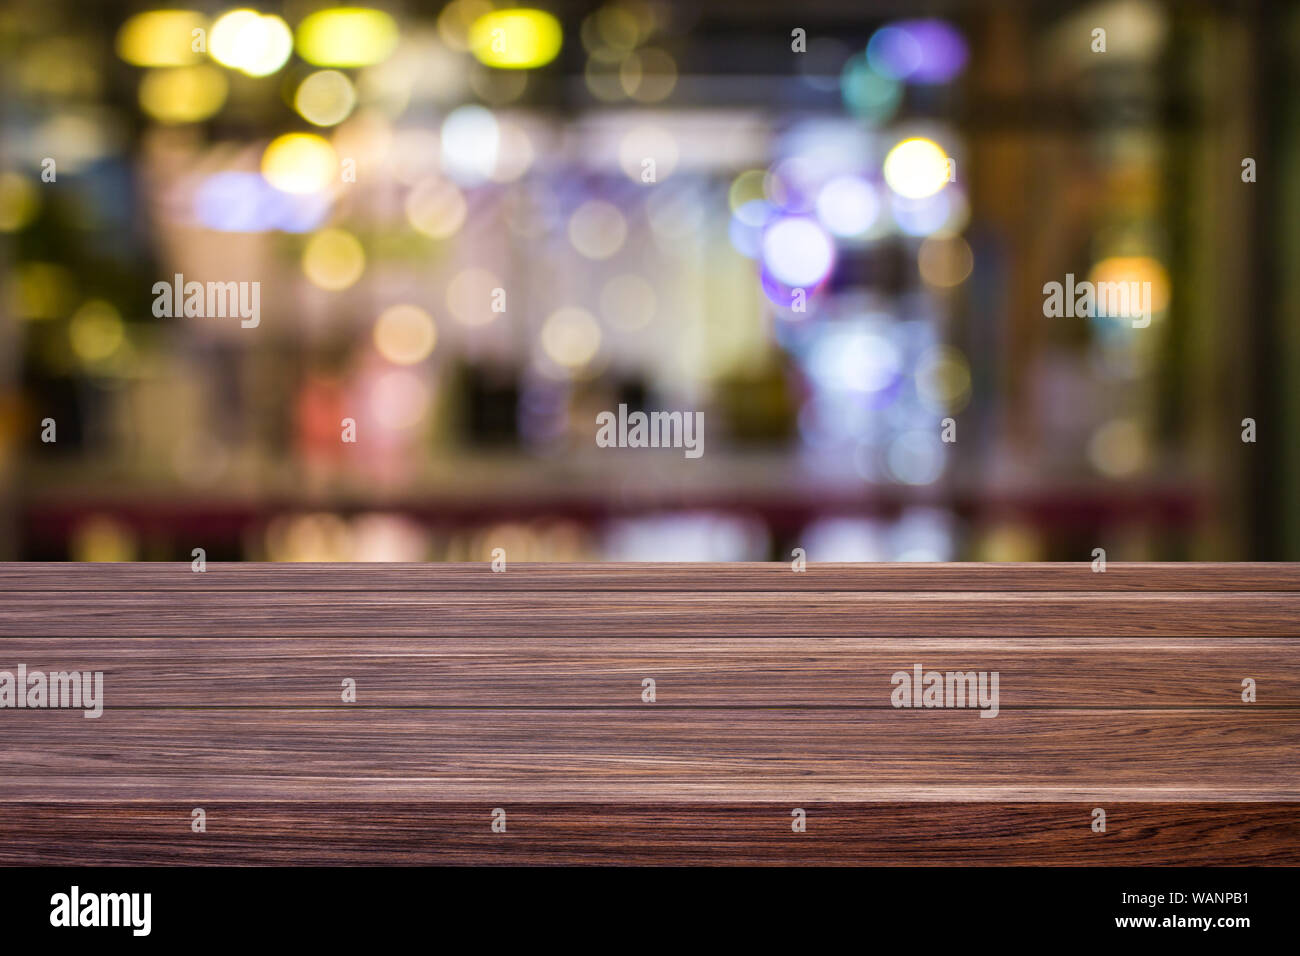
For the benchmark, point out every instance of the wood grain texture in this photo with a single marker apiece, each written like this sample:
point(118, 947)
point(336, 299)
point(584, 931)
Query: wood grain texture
point(314, 833)
point(651, 754)
point(523, 690)
point(702, 576)
point(1093, 672)
point(637, 614)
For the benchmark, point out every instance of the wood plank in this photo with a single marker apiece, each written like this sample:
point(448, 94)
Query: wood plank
point(650, 755)
point(739, 576)
point(878, 834)
point(689, 672)
point(649, 614)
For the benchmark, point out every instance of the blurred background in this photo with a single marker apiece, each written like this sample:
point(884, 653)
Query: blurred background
point(475, 226)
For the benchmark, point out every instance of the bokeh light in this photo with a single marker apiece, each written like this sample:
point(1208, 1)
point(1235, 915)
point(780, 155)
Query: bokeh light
point(847, 206)
point(183, 94)
point(160, 38)
point(333, 259)
point(325, 98)
point(300, 163)
point(798, 252)
point(916, 168)
point(436, 208)
point(253, 43)
point(405, 334)
point(515, 39)
point(570, 337)
point(347, 37)
point(597, 229)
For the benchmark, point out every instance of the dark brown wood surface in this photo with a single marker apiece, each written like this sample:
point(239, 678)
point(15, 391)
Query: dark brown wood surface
point(522, 690)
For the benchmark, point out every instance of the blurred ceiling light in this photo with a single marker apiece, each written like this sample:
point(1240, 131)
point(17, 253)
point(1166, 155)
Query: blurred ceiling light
point(300, 163)
point(570, 337)
point(847, 206)
point(649, 75)
point(253, 43)
point(436, 208)
point(471, 139)
point(455, 20)
point(469, 296)
point(96, 331)
point(333, 259)
point(648, 148)
point(597, 229)
point(798, 252)
point(160, 38)
point(183, 94)
point(325, 98)
point(19, 201)
point(405, 334)
point(916, 168)
point(628, 301)
point(347, 37)
point(945, 261)
point(515, 39)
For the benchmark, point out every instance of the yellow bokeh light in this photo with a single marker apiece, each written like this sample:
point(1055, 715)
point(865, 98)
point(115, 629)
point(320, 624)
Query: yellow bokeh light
point(325, 98)
point(333, 259)
point(1119, 448)
point(96, 331)
point(517, 39)
point(19, 201)
point(945, 261)
point(103, 538)
point(648, 75)
point(347, 36)
point(183, 94)
point(570, 337)
point(253, 43)
point(405, 334)
point(160, 38)
point(299, 163)
point(943, 379)
point(916, 168)
point(436, 208)
point(41, 290)
point(1139, 269)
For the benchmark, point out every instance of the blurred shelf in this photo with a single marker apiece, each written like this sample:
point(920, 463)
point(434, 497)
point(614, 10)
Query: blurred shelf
point(477, 491)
